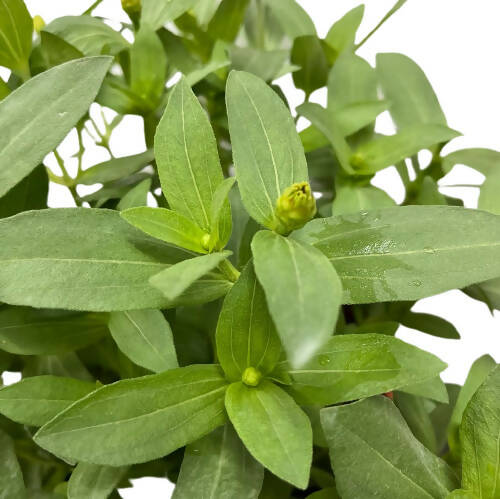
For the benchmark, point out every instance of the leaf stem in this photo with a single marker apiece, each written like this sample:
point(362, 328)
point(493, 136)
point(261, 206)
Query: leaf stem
point(229, 270)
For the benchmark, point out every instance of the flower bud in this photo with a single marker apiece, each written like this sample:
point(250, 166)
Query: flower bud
point(295, 207)
point(38, 23)
point(251, 376)
point(131, 6)
point(205, 242)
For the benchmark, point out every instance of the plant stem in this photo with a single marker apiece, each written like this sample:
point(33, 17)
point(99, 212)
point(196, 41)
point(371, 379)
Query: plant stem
point(229, 270)
point(69, 180)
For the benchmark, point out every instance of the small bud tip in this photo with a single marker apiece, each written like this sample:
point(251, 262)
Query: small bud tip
point(38, 23)
point(296, 206)
point(251, 376)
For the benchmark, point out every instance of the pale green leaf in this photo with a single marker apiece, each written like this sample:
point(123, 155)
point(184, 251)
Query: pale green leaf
point(409, 252)
point(267, 151)
point(36, 400)
point(273, 428)
point(293, 19)
point(83, 259)
point(246, 336)
point(11, 476)
point(89, 481)
point(145, 337)
point(139, 419)
point(303, 292)
point(219, 467)
point(42, 112)
point(307, 53)
point(390, 463)
point(342, 34)
point(135, 197)
point(220, 215)
point(351, 198)
point(156, 13)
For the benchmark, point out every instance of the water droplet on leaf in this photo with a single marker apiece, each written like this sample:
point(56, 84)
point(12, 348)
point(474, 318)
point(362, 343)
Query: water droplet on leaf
point(323, 360)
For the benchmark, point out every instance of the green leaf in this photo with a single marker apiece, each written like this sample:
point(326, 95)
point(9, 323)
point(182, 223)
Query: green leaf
point(43, 111)
point(83, 259)
point(220, 215)
point(89, 481)
point(303, 292)
point(227, 20)
point(145, 337)
point(356, 116)
point(139, 419)
point(36, 400)
point(488, 197)
point(342, 34)
point(412, 99)
point(219, 466)
point(478, 372)
point(273, 428)
point(29, 194)
point(480, 437)
point(246, 336)
point(156, 13)
point(351, 80)
point(487, 291)
point(30, 331)
point(430, 324)
point(148, 67)
point(266, 64)
point(389, 150)
point(463, 494)
point(327, 123)
point(308, 54)
point(4, 89)
point(407, 253)
point(390, 461)
point(11, 477)
point(16, 31)
point(433, 388)
point(88, 34)
point(485, 161)
point(187, 157)
point(293, 19)
point(267, 151)
point(218, 60)
point(351, 198)
point(175, 280)
point(135, 197)
point(329, 493)
point(56, 50)
point(116, 168)
point(167, 225)
point(354, 366)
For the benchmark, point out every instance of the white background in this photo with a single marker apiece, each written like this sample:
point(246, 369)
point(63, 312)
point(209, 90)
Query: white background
point(456, 43)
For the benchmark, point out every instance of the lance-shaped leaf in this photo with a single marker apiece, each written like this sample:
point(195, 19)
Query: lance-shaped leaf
point(115, 169)
point(342, 34)
point(389, 150)
point(352, 198)
point(430, 324)
point(135, 197)
point(303, 292)
point(412, 98)
point(155, 14)
point(16, 29)
point(30, 331)
point(36, 400)
point(480, 437)
point(293, 19)
point(220, 215)
point(355, 366)
point(308, 54)
point(83, 259)
point(187, 157)
point(37, 116)
point(95, 482)
point(11, 477)
point(172, 282)
point(273, 428)
point(246, 336)
point(90, 35)
point(267, 151)
point(486, 161)
point(145, 337)
point(139, 419)
point(407, 253)
point(389, 460)
point(219, 467)
point(167, 225)
point(354, 117)
point(227, 20)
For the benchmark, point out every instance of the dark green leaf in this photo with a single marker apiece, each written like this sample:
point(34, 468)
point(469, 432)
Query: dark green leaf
point(43, 111)
point(273, 428)
point(56, 50)
point(390, 462)
point(293, 273)
point(139, 419)
point(145, 337)
point(308, 54)
point(226, 22)
point(430, 324)
point(246, 336)
point(35, 401)
point(89, 481)
point(11, 477)
point(219, 467)
point(407, 253)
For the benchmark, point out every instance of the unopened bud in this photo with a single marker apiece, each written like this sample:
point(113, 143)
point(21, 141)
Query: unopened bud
point(296, 206)
point(205, 242)
point(38, 23)
point(251, 376)
point(131, 6)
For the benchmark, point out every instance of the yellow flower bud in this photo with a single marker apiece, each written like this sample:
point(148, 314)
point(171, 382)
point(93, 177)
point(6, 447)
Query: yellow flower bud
point(131, 6)
point(205, 242)
point(295, 207)
point(38, 23)
point(251, 376)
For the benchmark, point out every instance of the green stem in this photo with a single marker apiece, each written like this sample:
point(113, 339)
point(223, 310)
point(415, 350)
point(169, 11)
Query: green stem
point(229, 270)
point(67, 178)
